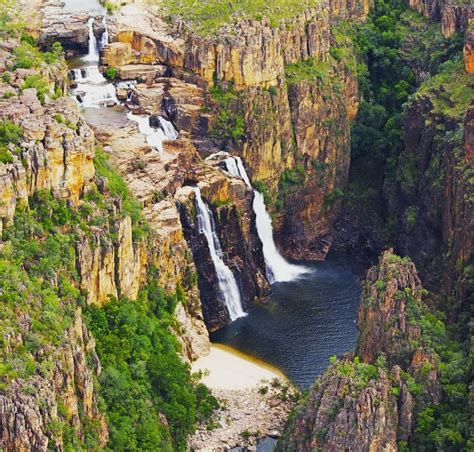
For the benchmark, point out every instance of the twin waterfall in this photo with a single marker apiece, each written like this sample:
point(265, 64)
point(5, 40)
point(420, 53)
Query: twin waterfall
point(278, 269)
point(92, 90)
point(227, 284)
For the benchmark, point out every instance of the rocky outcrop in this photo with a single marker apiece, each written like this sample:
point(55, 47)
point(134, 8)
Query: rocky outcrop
point(29, 408)
point(235, 226)
point(55, 150)
point(432, 192)
point(159, 183)
point(287, 124)
point(249, 415)
point(68, 26)
point(339, 415)
point(363, 402)
point(454, 16)
point(469, 49)
point(391, 291)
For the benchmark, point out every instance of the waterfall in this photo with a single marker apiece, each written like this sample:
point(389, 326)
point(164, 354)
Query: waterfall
point(154, 136)
point(93, 54)
point(104, 40)
point(278, 269)
point(227, 284)
point(92, 88)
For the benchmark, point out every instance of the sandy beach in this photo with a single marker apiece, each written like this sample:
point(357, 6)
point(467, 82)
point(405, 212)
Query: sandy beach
point(226, 368)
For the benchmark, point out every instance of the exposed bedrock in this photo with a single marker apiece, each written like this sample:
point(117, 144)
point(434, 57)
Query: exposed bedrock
point(288, 123)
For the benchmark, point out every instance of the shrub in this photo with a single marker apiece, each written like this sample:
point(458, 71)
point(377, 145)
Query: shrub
point(39, 83)
point(111, 72)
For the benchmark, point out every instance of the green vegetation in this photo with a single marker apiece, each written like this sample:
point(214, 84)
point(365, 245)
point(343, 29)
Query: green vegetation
point(111, 72)
point(291, 181)
point(28, 56)
point(309, 69)
point(39, 83)
point(11, 24)
point(229, 122)
point(446, 425)
point(118, 188)
point(450, 90)
point(10, 135)
point(143, 374)
point(37, 276)
point(392, 47)
point(144, 379)
point(207, 17)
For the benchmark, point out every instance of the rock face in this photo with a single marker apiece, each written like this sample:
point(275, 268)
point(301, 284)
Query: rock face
point(469, 48)
point(383, 315)
point(57, 149)
point(29, 407)
point(454, 16)
point(68, 26)
point(338, 416)
point(235, 227)
point(437, 198)
point(302, 123)
point(363, 402)
point(161, 183)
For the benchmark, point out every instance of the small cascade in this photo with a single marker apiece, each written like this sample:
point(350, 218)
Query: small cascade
point(104, 40)
point(278, 268)
point(93, 54)
point(92, 89)
point(155, 135)
point(227, 284)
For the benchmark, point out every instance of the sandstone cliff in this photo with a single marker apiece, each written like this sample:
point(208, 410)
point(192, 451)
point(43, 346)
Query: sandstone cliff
point(309, 113)
point(432, 191)
point(454, 16)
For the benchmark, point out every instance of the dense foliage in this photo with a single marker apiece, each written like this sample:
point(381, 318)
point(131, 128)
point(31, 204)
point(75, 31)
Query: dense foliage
point(144, 379)
point(229, 122)
point(396, 50)
point(150, 398)
point(405, 57)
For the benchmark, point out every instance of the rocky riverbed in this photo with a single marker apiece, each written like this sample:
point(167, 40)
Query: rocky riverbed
point(255, 400)
point(245, 416)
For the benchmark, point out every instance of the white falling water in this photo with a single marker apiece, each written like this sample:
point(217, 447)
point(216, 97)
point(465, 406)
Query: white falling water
point(92, 88)
point(154, 136)
point(227, 284)
point(104, 40)
point(93, 54)
point(278, 268)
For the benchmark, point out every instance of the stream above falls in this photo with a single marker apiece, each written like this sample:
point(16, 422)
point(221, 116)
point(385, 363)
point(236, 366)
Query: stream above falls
point(304, 323)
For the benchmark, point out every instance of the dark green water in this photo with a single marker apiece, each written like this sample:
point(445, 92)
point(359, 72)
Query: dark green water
point(305, 322)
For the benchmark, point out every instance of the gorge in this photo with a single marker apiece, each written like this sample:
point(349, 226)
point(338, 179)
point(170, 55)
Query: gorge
point(283, 189)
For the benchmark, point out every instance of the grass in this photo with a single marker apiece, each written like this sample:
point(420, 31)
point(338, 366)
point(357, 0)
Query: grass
point(309, 69)
point(451, 91)
point(208, 16)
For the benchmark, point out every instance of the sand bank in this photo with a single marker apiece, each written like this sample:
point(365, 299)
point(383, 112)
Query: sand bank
point(227, 368)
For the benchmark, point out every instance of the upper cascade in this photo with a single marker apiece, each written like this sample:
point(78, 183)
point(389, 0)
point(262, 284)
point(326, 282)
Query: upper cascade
point(92, 88)
point(227, 284)
point(278, 268)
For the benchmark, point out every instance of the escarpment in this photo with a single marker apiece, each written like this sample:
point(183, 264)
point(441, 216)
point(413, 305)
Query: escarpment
point(72, 237)
point(454, 16)
point(432, 191)
point(276, 95)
